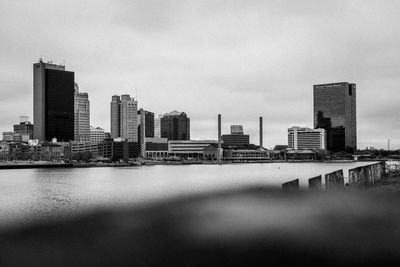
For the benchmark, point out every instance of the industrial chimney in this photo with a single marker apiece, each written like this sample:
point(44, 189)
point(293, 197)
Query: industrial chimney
point(261, 132)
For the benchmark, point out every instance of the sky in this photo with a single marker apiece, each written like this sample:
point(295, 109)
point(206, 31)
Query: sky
point(242, 59)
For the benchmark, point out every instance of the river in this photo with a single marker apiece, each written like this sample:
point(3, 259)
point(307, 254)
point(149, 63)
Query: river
point(35, 194)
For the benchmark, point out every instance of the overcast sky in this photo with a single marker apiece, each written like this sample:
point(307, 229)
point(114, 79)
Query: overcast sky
point(243, 59)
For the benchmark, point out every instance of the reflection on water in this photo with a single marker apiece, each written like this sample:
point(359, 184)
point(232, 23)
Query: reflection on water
point(29, 194)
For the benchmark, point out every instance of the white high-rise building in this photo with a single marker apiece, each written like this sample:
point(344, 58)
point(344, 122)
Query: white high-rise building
point(157, 126)
point(81, 116)
point(124, 118)
point(306, 138)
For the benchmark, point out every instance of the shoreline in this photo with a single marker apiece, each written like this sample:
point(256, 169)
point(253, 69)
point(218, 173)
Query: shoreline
point(32, 165)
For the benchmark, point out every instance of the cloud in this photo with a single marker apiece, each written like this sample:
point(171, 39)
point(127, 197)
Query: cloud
point(242, 59)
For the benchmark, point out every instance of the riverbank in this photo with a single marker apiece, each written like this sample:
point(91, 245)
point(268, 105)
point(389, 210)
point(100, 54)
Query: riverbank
point(33, 165)
point(46, 164)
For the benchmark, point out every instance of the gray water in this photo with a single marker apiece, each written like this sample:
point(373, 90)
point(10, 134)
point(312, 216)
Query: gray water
point(36, 194)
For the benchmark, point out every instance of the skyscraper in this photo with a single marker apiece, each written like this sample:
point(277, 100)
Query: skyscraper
point(53, 102)
point(148, 122)
point(175, 126)
point(115, 116)
point(124, 118)
point(157, 126)
point(82, 116)
point(335, 111)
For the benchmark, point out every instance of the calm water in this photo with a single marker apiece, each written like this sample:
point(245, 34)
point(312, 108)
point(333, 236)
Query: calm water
point(32, 194)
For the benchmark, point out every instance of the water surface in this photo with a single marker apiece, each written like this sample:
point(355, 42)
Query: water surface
point(30, 194)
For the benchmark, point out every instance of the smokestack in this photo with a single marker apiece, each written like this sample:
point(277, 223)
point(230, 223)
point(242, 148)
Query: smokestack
point(219, 131)
point(219, 155)
point(261, 132)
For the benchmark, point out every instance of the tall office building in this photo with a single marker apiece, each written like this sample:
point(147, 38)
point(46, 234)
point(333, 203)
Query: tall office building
point(175, 126)
point(306, 138)
point(124, 118)
point(82, 116)
point(335, 111)
point(157, 126)
point(115, 116)
point(53, 102)
point(145, 129)
point(147, 118)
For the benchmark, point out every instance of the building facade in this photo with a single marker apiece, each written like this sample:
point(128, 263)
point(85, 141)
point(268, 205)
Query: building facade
point(24, 128)
point(237, 138)
point(306, 138)
point(175, 126)
point(81, 116)
point(335, 111)
point(189, 148)
point(157, 126)
point(97, 134)
point(115, 116)
point(53, 102)
point(124, 118)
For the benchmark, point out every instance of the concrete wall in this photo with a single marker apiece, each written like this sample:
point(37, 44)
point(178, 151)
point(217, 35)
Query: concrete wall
point(366, 176)
point(291, 185)
point(334, 180)
point(315, 183)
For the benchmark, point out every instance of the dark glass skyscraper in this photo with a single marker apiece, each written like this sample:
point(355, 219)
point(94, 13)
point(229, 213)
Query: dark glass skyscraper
point(53, 104)
point(175, 126)
point(335, 111)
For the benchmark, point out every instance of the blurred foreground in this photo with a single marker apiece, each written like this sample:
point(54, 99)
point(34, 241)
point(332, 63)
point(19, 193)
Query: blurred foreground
point(252, 227)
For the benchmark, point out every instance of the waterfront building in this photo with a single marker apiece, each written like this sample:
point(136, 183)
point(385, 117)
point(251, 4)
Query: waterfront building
point(175, 125)
point(53, 102)
point(157, 126)
point(335, 111)
point(25, 127)
point(124, 118)
point(45, 151)
point(237, 137)
point(301, 155)
point(90, 148)
point(118, 149)
point(156, 148)
point(81, 116)
point(4, 150)
point(97, 134)
point(189, 148)
point(246, 155)
point(306, 138)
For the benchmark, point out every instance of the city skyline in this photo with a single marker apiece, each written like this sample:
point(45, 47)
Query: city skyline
point(204, 69)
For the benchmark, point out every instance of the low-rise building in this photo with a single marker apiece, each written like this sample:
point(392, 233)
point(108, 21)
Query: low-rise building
point(189, 148)
point(156, 148)
point(244, 155)
point(306, 138)
point(236, 138)
point(90, 148)
point(97, 134)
